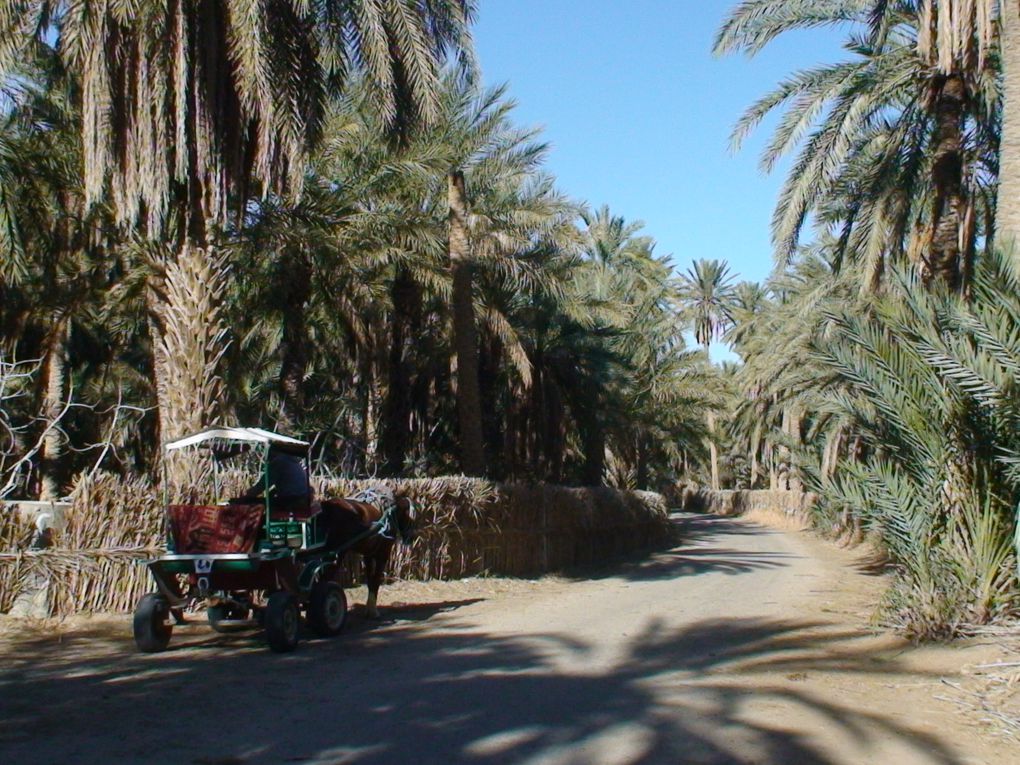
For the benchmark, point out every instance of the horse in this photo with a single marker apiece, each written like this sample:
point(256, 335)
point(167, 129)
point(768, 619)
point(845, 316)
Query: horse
point(390, 515)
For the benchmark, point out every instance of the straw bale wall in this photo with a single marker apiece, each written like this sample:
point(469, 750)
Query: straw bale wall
point(697, 499)
point(15, 534)
point(465, 526)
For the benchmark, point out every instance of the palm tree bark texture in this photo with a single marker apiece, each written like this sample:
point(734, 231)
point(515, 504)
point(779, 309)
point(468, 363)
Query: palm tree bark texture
point(465, 334)
point(944, 261)
point(396, 416)
point(1007, 215)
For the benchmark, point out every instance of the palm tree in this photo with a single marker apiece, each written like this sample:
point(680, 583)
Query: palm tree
point(327, 291)
point(614, 394)
point(189, 110)
point(929, 381)
point(706, 293)
point(780, 380)
point(615, 274)
point(501, 208)
point(750, 299)
point(465, 337)
point(900, 154)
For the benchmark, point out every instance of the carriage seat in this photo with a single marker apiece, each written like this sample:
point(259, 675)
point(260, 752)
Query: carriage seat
point(299, 510)
point(215, 528)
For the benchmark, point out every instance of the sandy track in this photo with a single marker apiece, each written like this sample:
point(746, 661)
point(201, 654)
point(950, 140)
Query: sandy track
point(743, 645)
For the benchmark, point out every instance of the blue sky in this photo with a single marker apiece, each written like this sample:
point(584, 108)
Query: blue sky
point(639, 113)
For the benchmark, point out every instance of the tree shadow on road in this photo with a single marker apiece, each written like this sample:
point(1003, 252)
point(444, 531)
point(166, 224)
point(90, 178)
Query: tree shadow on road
point(423, 693)
point(694, 526)
point(692, 561)
point(698, 552)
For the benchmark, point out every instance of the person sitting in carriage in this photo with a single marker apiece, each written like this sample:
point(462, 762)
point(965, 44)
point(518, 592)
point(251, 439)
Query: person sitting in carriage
point(290, 490)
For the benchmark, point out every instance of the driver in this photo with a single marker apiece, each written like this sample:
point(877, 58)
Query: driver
point(290, 490)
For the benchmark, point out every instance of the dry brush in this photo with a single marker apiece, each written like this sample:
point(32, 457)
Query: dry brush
point(466, 526)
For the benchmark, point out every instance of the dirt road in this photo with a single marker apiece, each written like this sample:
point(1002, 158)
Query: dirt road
point(743, 645)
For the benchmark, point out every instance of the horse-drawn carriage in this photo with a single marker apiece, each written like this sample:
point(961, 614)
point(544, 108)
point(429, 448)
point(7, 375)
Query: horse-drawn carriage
point(263, 558)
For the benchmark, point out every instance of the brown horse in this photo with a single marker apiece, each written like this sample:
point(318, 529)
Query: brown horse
point(376, 518)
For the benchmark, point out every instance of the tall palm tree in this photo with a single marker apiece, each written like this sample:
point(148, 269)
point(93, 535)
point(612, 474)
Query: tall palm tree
point(750, 302)
point(614, 393)
point(706, 292)
point(465, 336)
point(500, 209)
point(780, 380)
point(750, 299)
point(191, 109)
point(618, 270)
point(899, 153)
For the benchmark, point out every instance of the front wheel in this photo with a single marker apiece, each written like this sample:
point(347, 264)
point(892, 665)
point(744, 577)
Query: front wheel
point(281, 620)
point(152, 630)
point(327, 609)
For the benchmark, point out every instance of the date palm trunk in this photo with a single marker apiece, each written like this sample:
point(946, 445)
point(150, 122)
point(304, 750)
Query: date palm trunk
point(1007, 213)
point(189, 341)
point(643, 474)
point(53, 384)
point(792, 428)
point(465, 334)
point(396, 434)
point(593, 438)
point(785, 466)
point(369, 387)
point(753, 449)
point(294, 341)
point(772, 457)
point(713, 451)
point(1007, 219)
point(944, 260)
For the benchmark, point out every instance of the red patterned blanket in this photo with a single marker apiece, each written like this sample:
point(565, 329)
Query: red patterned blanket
point(215, 528)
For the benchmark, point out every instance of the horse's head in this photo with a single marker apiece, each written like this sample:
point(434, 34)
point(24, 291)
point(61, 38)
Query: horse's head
point(405, 516)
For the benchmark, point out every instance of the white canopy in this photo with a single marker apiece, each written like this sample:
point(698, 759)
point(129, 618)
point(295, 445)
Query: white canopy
point(237, 435)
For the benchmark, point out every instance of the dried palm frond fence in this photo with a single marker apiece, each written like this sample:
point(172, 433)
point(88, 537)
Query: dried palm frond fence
point(697, 499)
point(465, 527)
point(15, 533)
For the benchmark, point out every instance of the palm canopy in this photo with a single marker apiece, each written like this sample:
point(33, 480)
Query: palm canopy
point(611, 239)
point(897, 146)
point(949, 31)
point(706, 291)
point(190, 105)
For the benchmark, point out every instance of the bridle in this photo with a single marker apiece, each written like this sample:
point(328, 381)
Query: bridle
point(405, 520)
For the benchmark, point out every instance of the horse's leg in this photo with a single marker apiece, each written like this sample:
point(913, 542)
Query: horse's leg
point(373, 578)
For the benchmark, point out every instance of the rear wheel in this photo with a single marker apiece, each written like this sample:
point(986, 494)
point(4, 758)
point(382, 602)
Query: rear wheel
point(327, 609)
point(281, 619)
point(152, 630)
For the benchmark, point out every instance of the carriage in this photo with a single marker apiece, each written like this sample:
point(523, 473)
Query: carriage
point(249, 561)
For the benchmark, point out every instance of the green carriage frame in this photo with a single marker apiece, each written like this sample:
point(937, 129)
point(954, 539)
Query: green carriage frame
point(290, 562)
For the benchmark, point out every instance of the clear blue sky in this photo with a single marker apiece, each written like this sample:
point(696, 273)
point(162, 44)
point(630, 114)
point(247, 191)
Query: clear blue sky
point(639, 113)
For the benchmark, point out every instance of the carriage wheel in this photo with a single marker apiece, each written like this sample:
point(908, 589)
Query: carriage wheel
point(327, 609)
point(282, 622)
point(152, 632)
point(219, 614)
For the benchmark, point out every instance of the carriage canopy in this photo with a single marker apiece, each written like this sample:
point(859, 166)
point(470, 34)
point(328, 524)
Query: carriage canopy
point(222, 436)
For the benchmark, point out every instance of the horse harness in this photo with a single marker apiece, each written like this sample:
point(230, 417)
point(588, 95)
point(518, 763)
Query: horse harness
point(386, 502)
